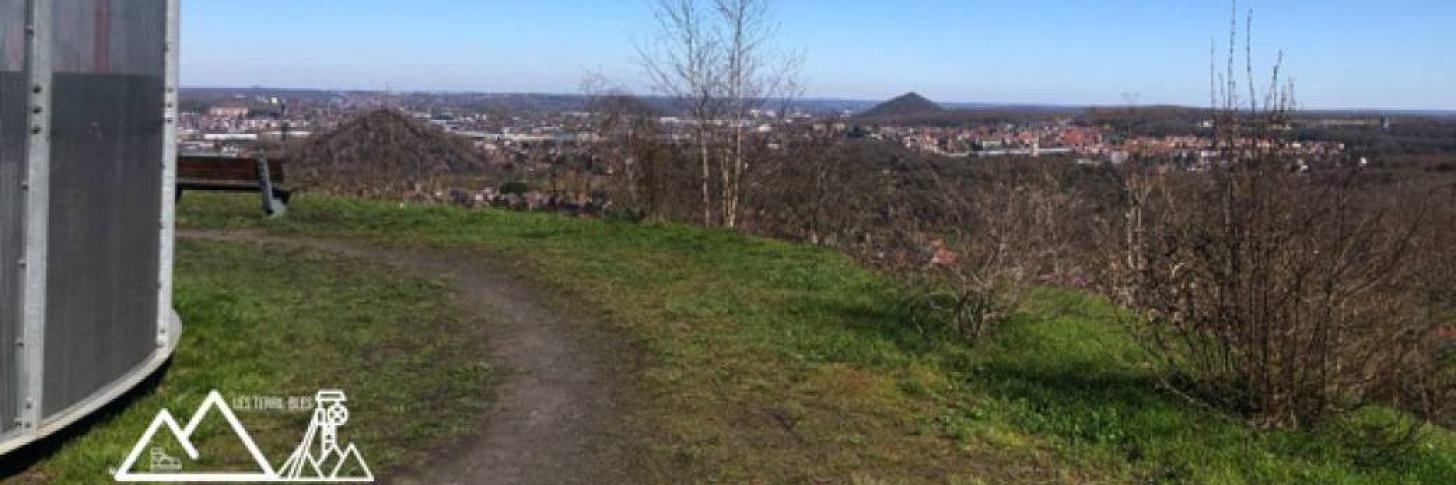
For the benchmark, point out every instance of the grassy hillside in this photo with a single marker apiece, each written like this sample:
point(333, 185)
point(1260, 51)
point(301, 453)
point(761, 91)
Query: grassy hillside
point(762, 361)
point(279, 322)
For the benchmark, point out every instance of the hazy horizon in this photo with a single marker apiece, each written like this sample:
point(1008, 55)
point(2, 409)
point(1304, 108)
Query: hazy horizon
point(949, 104)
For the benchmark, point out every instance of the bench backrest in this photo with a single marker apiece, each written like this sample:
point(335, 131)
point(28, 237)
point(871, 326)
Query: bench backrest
point(227, 169)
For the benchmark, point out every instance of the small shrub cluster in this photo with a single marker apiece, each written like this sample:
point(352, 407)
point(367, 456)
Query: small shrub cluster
point(1282, 296)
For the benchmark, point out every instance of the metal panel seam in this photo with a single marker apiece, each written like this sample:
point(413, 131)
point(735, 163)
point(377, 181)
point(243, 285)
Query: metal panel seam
point(37, 212)
point(168, 217)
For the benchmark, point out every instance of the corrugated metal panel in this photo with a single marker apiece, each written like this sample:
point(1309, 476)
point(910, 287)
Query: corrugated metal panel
point(12, 163)
point(106, 154)
point(91, 300)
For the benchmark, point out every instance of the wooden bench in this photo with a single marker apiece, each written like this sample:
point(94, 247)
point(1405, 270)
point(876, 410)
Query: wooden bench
point(218, 173)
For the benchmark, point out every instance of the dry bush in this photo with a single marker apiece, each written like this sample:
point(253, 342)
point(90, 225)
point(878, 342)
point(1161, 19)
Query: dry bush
point(1285, 293)
point(1433, 396)
point(968, 238)
point(1287, 297)
point(1439, 248)
point(1011, 224)
point(635, 160)
point(821, 189)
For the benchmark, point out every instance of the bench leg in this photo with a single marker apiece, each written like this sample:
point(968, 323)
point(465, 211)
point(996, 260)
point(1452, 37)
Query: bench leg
point(276, 208)
point(271, 205)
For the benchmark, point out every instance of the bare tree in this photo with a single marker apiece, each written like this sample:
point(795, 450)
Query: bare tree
point(1266, 289)
point(685, 63)
point(716, 61)
point(627, 145)
point(751, 75)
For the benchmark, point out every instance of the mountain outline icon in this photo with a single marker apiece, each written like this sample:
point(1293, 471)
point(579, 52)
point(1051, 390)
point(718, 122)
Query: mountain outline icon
point(319, 457)
point(329, 466)
point(183, 435)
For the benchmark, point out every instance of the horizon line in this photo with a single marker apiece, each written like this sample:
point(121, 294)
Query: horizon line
point(828, 98)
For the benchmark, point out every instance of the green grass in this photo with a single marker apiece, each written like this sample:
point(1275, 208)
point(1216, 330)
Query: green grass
point(272, 321)
point(764, 361)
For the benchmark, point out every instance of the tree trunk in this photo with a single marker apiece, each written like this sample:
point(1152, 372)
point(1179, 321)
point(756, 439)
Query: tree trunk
point(706, 173)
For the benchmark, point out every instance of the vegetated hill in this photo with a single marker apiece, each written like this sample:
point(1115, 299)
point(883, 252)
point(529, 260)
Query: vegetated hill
point(914, 109)
point(384, 152)
point(909, 105)
point(827, 360)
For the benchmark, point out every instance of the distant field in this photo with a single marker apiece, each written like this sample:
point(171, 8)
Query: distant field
point(279, 322)
point(762, 361)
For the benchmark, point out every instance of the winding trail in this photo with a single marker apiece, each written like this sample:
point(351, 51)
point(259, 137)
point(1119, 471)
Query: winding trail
point(554, 404)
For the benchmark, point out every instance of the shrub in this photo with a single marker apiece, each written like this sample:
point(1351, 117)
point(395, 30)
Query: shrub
point(1288, 297)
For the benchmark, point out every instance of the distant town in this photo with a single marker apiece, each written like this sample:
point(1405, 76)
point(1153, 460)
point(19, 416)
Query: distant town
point(519, 128)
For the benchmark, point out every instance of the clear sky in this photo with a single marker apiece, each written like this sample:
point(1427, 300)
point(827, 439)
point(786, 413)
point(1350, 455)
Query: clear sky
point(1342, 53)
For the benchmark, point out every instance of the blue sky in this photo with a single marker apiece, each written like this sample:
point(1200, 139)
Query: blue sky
point(1342, 53)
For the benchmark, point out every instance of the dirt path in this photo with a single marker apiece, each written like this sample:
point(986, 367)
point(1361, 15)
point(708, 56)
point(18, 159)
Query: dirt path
point(555, 399)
